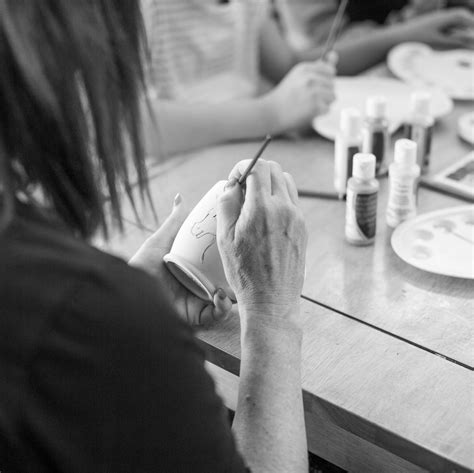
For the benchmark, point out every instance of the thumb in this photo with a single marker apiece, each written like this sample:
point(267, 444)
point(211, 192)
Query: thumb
point(166, 234)
point(229, 207)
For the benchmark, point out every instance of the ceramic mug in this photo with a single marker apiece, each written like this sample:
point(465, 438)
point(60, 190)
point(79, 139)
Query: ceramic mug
point(194, 258)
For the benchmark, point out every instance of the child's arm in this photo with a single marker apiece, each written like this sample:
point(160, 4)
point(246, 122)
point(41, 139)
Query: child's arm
point(181, 127)
point(276, 56)
point(359, 54)
point(307, 23)
point(306, 91)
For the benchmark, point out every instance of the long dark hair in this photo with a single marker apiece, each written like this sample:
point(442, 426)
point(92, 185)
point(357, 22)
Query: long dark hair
point(71, 81)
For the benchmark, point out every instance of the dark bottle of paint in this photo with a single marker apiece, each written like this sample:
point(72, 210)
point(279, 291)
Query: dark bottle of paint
point(375, 134)
point(419, 128)
point(347, 144)
point(361, 201)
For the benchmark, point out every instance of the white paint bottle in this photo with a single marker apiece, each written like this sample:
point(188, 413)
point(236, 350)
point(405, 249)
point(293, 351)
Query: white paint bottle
point(348, 143)
point(419, 127)
point(361, 201)
point(404, 173)
point(375, 133)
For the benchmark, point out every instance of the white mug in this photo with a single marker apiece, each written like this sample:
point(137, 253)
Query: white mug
point(194, 258)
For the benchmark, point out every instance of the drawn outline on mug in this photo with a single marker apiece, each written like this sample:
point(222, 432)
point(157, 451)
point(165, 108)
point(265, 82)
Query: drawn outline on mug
point(198, 230)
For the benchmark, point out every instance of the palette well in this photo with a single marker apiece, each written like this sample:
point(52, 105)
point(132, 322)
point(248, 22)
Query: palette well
point(440, 242)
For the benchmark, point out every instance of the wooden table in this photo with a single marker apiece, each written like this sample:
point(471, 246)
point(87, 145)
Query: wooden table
point(388, 351)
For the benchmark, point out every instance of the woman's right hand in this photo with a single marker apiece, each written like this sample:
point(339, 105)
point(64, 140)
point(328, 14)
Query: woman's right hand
point(434, 28)
point(262, 241)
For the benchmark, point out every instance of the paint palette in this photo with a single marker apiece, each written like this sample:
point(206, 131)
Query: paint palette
point(353, 92)
point(440, 242)
point(457, 179)
point(450, 71)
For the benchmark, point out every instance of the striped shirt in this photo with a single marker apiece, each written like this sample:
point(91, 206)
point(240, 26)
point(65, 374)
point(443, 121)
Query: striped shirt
point(204, 51)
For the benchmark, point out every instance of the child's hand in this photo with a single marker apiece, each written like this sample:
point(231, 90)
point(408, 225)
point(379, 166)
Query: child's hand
point(433, 28)
point(306, 91)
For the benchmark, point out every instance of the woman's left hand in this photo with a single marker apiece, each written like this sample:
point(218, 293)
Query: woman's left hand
point(150, 258)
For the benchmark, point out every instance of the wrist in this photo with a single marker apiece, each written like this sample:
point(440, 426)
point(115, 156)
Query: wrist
point(271, 339)
point(270, 325)
point(269, 112)
point(270, 311)
point(394, 35)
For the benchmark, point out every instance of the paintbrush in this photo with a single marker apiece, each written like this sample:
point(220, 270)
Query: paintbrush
point(318, 195)
point(335, 27)
point(244, 176)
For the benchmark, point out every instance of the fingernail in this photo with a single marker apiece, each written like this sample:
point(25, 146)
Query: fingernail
point(178, 199)
point(230, 183)
point(221, 294)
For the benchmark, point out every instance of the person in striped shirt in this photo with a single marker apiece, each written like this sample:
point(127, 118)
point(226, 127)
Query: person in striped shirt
point(208, 58)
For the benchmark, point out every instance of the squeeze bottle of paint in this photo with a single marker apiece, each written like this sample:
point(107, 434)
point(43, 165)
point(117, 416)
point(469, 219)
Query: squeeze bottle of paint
point(361, 203)
point(403, 181)
point(419, 127)
point(348, 142)
point(375, 135)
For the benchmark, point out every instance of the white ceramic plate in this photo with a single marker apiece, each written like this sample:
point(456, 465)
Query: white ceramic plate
point(354, 91)
point(451, 71)
point(440, 242)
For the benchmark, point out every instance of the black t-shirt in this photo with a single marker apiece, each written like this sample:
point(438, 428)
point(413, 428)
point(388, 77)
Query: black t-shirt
point(97, 374)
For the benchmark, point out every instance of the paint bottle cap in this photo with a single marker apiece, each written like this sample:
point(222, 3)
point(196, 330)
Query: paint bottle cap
point(405, 152)
point(350, 122)
point(376, 106)
point(420, 103)
point(363, 166)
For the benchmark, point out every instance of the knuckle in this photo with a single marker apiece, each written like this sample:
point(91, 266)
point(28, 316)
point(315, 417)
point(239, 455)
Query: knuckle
point(275, 166)
point(241, 165)
point(260, 208)
point(299, 218)
point(287, 213)
point(289, 178)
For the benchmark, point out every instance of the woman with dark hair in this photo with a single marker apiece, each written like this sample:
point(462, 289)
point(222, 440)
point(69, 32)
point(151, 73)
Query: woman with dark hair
point(97, 370)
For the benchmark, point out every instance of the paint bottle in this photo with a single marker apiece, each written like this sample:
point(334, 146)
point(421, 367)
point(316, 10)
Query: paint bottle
point(361, 204)
point(375, 134)
point(403, 181)
point(348, 142)
point(419, 127)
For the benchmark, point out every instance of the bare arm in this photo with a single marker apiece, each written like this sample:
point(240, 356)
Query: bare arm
point(306, 91)
point(276, 56)
point(359, 54)
point(433, 28)
point(265, 267)
point(269, 422)
point(181, 127)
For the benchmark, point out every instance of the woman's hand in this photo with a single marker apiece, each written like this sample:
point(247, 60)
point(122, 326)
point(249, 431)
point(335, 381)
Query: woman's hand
point(150, 258)
point(262, 241)
point(305, 92)
point(434, 28)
